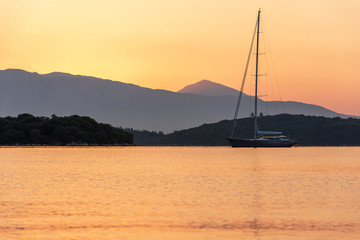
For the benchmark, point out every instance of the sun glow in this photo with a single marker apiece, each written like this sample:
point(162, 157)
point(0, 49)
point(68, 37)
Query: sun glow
point(169, 44)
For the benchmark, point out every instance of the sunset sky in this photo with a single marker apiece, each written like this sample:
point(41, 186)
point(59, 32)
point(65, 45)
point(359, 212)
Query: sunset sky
point(162, 44)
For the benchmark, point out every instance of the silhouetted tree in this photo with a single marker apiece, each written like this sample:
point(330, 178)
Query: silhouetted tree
point(27, 129)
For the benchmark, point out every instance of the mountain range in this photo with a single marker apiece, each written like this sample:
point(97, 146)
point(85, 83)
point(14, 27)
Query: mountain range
point(129, 105)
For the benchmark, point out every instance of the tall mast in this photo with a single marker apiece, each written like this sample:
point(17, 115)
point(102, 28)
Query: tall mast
point(256, 74)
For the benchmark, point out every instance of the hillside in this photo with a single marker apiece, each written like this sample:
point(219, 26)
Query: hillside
point(308, 130)
point(126, 105)
point(209, 88)
point(26, 129)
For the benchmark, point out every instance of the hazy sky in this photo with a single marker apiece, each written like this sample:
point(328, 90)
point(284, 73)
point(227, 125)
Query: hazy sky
point(315, 44)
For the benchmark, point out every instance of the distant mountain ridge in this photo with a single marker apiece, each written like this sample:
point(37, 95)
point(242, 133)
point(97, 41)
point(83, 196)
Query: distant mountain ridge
point(209, 88)
point(123, 104)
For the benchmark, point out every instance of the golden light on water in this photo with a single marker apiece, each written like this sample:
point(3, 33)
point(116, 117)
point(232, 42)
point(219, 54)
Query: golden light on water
point(179, 192)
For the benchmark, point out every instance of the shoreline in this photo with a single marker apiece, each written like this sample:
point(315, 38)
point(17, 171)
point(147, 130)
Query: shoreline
point(134, 145)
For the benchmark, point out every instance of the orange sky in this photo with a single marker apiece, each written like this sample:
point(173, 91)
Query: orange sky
point(166, 44)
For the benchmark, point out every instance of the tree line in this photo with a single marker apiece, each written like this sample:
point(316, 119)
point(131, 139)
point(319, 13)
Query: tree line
point(308, 130)
point(26, 129)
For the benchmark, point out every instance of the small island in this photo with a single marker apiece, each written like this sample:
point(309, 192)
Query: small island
point(26, 129)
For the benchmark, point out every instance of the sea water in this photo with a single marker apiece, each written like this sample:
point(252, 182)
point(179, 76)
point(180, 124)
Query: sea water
point(179, 193)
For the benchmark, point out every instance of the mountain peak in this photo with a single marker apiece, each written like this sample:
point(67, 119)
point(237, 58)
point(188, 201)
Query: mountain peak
point(209, 88)
point(59, 74)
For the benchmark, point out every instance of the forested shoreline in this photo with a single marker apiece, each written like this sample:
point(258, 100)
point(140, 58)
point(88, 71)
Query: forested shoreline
point(308, 130)
point(26, 129)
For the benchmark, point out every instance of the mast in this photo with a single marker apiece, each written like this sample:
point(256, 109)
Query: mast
point(256, 73)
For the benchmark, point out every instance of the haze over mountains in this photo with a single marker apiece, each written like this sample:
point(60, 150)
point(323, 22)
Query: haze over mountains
point(128, 105)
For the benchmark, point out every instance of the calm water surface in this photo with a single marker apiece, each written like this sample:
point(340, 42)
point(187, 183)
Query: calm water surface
point(179, 193)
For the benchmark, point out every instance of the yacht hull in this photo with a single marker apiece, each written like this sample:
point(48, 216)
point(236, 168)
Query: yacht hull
point(236, 142)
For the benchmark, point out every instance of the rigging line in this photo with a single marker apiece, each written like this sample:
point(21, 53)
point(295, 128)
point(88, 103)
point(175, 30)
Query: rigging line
point(243, 82)
point(263, 87)
point(250, 100)
point(266, 86)
point(267, 72)
point(268, 68)
point(272, 62)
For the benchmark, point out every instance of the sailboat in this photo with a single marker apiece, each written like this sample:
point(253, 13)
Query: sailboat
point(261, 138)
